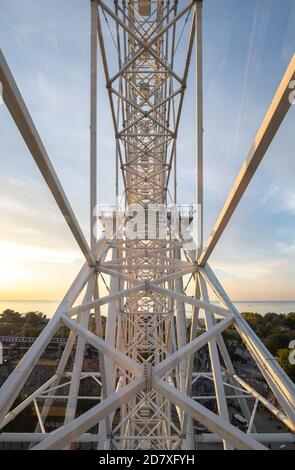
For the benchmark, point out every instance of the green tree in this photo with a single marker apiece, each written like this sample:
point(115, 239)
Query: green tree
point(254, 319)
point(290, 320)
point(10, 316)
point(276, 341)
point(35, 318)
point(276, 318)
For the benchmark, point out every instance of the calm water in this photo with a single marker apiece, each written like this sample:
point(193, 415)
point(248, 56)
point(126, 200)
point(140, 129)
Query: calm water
point(49, 307)
point(265, 307)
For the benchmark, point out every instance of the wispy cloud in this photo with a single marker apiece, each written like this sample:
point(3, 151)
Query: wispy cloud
point(286, 248)
point(250, 271)
point(289, 202)
point(269, 194)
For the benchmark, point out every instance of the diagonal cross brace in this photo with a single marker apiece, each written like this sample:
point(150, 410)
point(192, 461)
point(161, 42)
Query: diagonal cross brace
point(20, 114)
point(264, 137)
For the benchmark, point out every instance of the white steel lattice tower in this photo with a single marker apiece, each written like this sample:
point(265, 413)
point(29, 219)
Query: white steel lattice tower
point(151, 353)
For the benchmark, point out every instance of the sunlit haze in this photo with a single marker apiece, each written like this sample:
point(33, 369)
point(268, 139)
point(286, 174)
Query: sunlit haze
point(247, 47)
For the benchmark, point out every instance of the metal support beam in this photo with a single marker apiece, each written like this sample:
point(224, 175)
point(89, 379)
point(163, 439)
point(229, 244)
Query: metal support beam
point(213, 422)
point(190, 348)
point(146, 361)
point(199, 118)
point(93, 128)
point(13, 385)
point(20, 114)
point(70, 432)
point(264, 137)
point(216, 366)
point(281, 385)
point(110, 351)
point(190, 300)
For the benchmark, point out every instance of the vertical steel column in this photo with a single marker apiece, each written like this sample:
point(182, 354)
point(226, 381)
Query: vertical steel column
point(93, 128)
point(199, 118)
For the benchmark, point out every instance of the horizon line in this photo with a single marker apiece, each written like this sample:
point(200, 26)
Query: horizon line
point(59, 300)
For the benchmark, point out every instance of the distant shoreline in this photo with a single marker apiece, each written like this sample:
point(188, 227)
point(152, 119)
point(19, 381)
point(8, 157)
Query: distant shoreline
point(48, 307)
point(214, 301)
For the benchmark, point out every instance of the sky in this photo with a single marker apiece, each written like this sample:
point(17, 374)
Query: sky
point(247, 47)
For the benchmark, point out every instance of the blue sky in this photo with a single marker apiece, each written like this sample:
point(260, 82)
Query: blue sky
point(247, 47)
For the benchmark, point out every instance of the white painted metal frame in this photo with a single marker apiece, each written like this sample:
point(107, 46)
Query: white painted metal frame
point(147, 372)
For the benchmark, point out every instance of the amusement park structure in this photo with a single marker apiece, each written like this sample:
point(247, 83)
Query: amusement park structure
point(147, 354)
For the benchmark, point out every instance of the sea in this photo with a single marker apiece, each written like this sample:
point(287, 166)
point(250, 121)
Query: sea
point(48, 307)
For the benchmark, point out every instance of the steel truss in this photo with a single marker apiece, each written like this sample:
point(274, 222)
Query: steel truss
point(147, 358)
